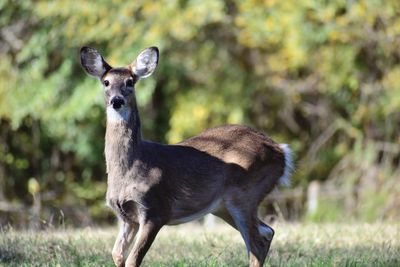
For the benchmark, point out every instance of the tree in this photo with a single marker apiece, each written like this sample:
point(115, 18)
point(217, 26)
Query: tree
point(320, 76)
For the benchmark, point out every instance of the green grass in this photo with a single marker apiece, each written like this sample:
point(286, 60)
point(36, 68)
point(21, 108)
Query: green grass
point(352, 244)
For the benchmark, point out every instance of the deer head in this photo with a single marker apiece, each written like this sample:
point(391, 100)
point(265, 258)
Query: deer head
point(119, 83)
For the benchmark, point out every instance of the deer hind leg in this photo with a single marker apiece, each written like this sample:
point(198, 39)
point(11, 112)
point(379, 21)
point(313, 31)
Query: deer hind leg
point(223, 214)
point(265, 230)
point(267, 233)
point(253, 233)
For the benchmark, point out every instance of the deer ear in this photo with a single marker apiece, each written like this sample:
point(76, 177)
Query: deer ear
point(93, 62)
point(145, 63)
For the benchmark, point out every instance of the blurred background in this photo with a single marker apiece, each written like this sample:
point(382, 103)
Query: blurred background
point(322, 76)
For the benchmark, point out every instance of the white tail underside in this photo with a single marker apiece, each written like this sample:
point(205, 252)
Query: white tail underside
point(285, 178)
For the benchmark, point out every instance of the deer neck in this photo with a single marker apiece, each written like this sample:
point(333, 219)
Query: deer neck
point(123, 140)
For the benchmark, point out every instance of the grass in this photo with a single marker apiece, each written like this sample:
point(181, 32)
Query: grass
point(351, 244)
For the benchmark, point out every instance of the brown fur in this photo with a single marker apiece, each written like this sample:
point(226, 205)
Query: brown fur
point(225, 170)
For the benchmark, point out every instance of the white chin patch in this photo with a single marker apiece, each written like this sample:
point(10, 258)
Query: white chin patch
point(119, 115)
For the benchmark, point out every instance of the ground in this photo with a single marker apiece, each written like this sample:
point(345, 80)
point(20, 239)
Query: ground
point(353, 244)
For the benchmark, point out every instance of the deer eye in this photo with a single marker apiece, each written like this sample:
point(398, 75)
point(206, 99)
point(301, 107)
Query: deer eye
point(106, 83)
point(129, 83)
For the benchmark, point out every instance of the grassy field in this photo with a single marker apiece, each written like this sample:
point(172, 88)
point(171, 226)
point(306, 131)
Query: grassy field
point(192, 245)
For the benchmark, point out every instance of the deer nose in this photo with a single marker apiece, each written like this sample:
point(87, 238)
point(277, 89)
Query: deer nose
point(117, 102)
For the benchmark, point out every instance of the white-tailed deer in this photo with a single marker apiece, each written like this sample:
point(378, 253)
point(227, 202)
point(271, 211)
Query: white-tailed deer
point(225, 171)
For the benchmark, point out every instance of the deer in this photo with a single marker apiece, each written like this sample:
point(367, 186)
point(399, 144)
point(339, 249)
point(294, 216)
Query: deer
point(226, 171)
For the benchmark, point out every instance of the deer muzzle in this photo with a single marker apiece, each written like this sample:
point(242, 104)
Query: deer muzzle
point(117, 102)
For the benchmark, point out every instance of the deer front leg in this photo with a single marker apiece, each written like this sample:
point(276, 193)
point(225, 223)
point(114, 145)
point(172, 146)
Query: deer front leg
point(146, 235)
point(127, 232)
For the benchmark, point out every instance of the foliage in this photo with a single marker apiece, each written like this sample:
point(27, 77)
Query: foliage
point(320, 75)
